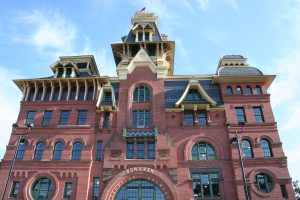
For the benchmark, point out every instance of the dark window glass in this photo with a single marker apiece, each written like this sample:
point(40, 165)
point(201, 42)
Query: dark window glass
point(257, 111)
point(240, 114)
point(30, 117)
point(64, 117)
point(31, 94)
point(201, 115)
point(15, 189)
point(284, 192)
point(73, 93)
point(107, 99)
point(147, 36)
point(129, 150)
point(39, 94)
point(239, 90)
point(106, 119)
point(57, 152)
point(99, 151)
point(247, 150)
point(151, 49)
point(60, 72)
point(263, 183)
point(206, 185)
point(68, 190)
point(76, 151)
point(42, 189)
point(47, 118)
point(140, 151)
point(141, 118)
point(21, 150)
point(141, 94)
point(81, 118)
point(258, 89)
point(64, 94)
point(82, 65)
point(192, 96)
point(90, 93)
point(48, 94)
point(265, 147)
point(96, 187)
point(151, 150)
point(134, 49)
point(140, 36)
point(248, 90)
point(203, 151)
point(56, 94)
point(140, 190)
point(189, 117)
point(39, 150)
point(68, 72)
point(81, 93)
point(229, 90)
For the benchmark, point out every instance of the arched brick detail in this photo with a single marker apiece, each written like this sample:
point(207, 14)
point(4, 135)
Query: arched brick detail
point(196, 139)
point(252, 141)
point(53, 142)
point(156, 177)
point(265, 137)
point(35, 176)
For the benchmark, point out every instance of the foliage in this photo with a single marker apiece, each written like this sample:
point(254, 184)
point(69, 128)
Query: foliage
point(296, 189)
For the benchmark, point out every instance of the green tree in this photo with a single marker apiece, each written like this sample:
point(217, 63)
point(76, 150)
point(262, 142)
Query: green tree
point(297, 189)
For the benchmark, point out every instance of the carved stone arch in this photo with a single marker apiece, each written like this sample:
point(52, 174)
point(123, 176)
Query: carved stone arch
point(251, 140)
point(269, 139)
point(154, 176)
point(79, 140)
point(53, 142)
point(34, 177)
point(137, 84)
point(35, 142)
point(202, 138)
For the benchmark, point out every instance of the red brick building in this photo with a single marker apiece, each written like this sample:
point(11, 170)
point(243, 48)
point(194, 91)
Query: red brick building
point(146, 134)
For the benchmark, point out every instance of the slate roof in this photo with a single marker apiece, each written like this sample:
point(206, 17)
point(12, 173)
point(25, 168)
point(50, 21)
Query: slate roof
point(175, 89)
point(233, 57)
point(239, 71)
point(116, 90)
point(131, 37)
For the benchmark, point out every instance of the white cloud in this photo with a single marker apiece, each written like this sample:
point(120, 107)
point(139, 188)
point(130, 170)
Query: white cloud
point(9, 105)
point(203, 4)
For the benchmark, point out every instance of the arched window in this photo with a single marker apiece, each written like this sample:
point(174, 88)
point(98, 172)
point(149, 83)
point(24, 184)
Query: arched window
point(48, 94)
point(81, 93)
point(263, 183)
point(42, 189)
point(140, 189)
point(229, 90)
point(90, 93)
point(73, 93)
point(39, 94)
point(203, 151)
point(58, 148)
point(265, 147)
point(248, 90)
point(192, 96)
point(258, 89)
point(239, 90)
point(247, 150)
point(64, 94)
point(56, 94)
point(39, 150)
point(21, 150)
point(76, 151)
point(31, 94)
point(141, 94)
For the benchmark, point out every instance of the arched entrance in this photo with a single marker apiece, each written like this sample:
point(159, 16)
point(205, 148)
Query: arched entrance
point(140, 190)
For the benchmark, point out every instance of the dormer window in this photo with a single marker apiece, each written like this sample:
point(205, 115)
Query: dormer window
point(107, 99)
point(147, 36)
point(193, 95)
point(68, 72)
point(140, 36)
point(60, 72)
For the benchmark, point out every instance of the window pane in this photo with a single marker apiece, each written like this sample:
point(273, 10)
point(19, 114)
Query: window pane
point(47, 118)
point(42, 189)
point(64, 94)
point(76, 151)
point(247, 151)
point(229, 90)
point(188, 118)
point(265, 148)
point(240, 114)
point(99, 151)
point(203, 151)
point(257, 111)
point(90, 93)
point(64, 117)
point(81, 118)
point(39, 150)
point(57, 151)
point(30, 117)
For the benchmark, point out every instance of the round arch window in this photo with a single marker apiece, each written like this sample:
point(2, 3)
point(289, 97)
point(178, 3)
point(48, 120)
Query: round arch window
point(42, 189)
point(263, 183)
point(139, 190)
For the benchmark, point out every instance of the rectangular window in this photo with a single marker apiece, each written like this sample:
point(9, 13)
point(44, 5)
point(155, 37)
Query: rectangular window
point(206, 185)
point(140, 36)
point(107, 99)
point(257, 111)
point(60, 72)
point(240, 114)
point(141, 118)
point(64, 117)
point(284, 192)
point(201, 115)
point(81, 117)
point(68, 190)
point(188, 117)
point(96, 188)
point(106, 119)
point(151, 49)
point(99, 151)
point(47, 118)
point(147, 36)
point(140, 151)
point(30, 117)
point(68, 72)
point(129, 150)
point(151, 150)
point(15, 189)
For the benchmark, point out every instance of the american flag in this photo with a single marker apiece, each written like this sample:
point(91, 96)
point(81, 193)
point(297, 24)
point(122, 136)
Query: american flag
point(140, 11)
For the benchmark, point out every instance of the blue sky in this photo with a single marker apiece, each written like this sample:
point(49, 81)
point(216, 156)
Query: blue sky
point(33, 34)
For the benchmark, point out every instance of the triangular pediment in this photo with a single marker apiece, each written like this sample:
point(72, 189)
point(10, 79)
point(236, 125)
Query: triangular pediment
point(141, 59)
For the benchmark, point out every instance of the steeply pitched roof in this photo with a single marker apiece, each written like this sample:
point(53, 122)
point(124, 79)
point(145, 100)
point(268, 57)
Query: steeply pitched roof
point(239, 71)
